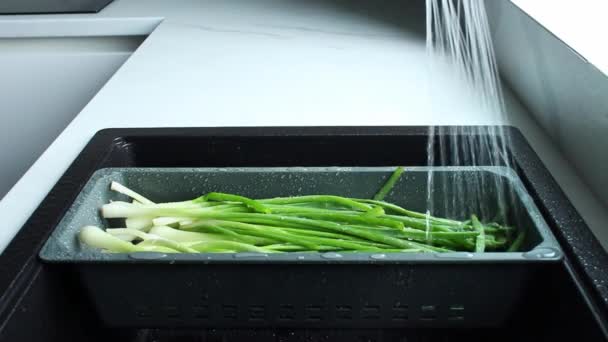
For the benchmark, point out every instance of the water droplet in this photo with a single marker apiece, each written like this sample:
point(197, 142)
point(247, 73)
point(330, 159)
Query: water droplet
point(147, 255)
point(454, 255)
point(249, 255)
point(542, 253)
point(300, 257)
point(331, 255)
point(377, 256)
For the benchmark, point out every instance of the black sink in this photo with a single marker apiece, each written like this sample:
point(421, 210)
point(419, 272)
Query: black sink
point(42, 302)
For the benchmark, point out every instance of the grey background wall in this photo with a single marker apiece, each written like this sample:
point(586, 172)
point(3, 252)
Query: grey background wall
point(44, 83)
point(567, 95)
point(567, 98)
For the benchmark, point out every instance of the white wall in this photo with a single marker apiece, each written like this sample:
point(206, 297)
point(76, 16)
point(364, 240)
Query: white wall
point(44, 83)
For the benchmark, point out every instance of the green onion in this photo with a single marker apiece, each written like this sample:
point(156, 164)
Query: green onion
point(480, 241)
point(519, 241)
point(253, 204)
point(342, 201)
point(390, 183)
point(228, 223)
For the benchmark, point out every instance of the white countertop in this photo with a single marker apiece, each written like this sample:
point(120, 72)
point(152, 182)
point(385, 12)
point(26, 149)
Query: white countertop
point(262, 63)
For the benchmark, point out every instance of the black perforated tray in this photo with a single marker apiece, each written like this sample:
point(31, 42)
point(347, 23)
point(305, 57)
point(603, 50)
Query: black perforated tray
point(302, 289)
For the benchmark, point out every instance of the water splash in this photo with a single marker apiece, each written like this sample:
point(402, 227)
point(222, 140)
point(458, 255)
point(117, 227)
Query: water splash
point(459, 37)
